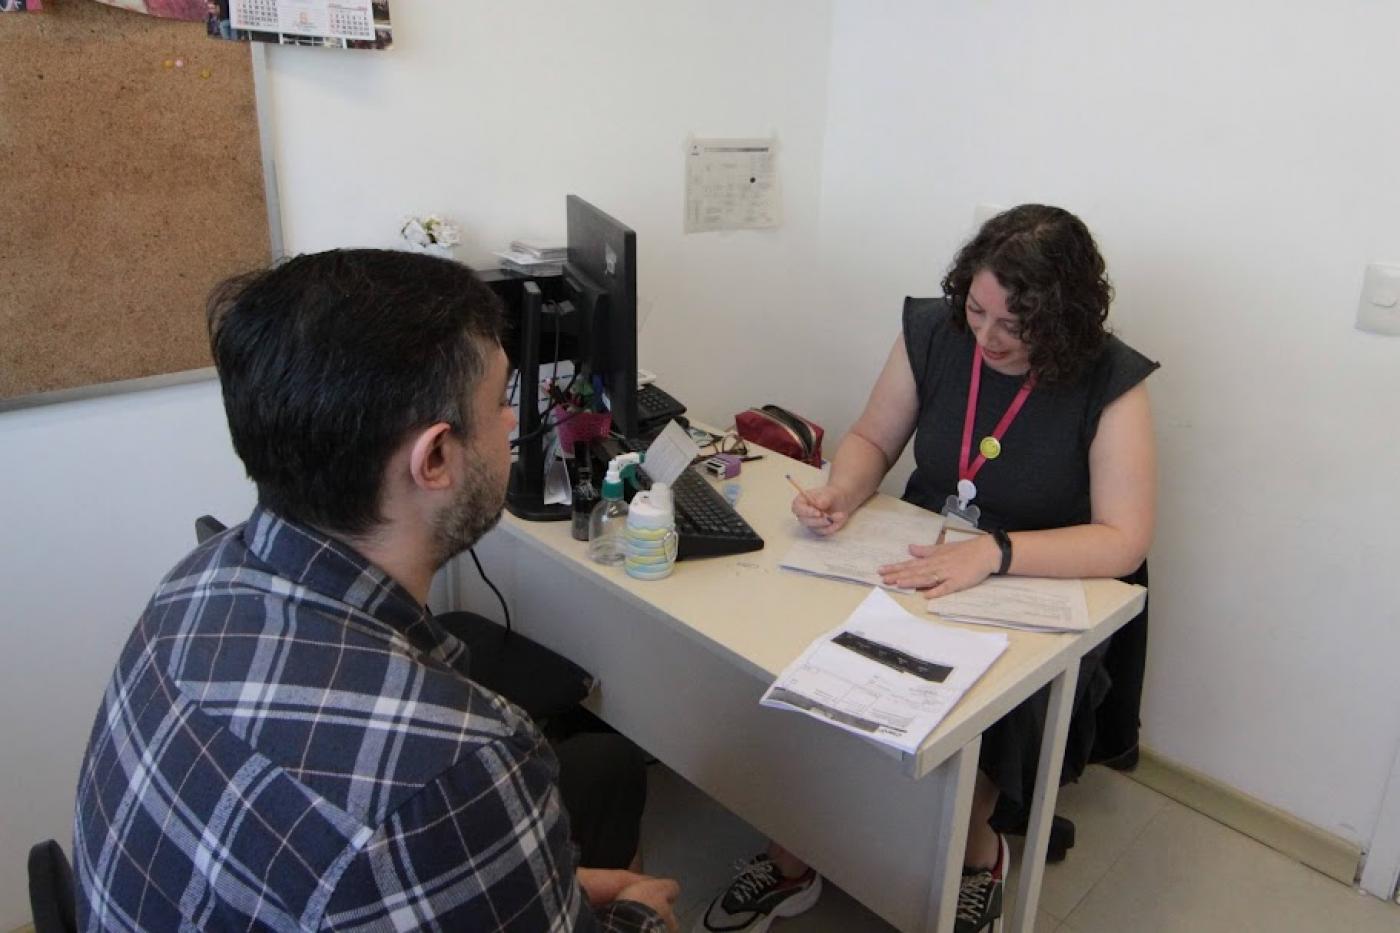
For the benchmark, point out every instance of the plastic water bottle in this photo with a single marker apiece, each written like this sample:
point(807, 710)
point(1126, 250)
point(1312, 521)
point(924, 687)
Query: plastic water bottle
point(609, 518)
point(650, 541)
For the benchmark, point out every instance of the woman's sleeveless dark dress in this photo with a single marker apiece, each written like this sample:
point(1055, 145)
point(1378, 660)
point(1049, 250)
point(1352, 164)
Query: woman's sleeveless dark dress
point(1040, 480)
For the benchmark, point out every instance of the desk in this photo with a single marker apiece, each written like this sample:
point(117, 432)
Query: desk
point(682, 663)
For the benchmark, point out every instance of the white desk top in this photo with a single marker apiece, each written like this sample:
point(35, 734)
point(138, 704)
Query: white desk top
point(748, 609)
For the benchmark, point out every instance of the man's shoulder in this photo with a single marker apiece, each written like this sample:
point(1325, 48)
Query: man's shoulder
point(315, 719)
point(357, 710)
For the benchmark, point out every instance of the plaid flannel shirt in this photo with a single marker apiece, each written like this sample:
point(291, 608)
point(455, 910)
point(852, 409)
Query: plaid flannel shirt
point(286, 744)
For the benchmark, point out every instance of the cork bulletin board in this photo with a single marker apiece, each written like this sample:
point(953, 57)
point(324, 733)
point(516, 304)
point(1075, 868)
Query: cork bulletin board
point(130, 183)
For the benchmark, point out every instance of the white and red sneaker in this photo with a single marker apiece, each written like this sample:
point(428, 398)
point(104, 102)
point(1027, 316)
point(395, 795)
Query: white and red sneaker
point(980, 897)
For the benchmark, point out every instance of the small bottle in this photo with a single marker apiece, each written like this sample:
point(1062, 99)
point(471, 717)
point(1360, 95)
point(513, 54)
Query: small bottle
point(585, 496)
point(609, 518)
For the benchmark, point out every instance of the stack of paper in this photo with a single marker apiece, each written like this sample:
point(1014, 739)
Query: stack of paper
point(885, 673)
point(529, 264)
point(541, 249)
point(1036, 603)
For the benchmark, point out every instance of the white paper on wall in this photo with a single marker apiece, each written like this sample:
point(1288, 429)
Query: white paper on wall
point(334, 23)
point(732, 184)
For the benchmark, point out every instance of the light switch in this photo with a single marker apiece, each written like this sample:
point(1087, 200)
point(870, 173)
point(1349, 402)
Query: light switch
point(1378, 311)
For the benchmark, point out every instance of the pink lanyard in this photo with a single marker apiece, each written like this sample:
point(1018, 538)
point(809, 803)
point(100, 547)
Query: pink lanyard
point(964, 471)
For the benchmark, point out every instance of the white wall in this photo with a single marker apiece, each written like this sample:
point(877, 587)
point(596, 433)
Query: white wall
point(1238, 162)
point(97, 501)
point(490, 114)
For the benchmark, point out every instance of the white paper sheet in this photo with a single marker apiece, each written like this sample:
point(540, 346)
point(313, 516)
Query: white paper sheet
point(670, 454)
point(732, 184)
point(1034, 603)
point(869, 540)
point(885, 674)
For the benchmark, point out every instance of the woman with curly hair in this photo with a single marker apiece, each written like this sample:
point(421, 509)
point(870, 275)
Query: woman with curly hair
point(1031, 419)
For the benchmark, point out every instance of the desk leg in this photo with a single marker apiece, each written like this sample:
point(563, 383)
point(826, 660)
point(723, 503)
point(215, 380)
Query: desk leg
point(1047, 790)
point(956, 809)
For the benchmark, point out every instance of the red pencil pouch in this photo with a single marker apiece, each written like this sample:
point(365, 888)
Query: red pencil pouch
point(780, 430)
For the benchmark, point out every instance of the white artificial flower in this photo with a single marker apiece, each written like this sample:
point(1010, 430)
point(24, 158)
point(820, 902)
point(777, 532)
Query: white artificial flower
point(447, 234)
point(415, 232)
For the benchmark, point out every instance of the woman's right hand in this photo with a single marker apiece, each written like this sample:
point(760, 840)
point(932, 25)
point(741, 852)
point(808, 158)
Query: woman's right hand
point(823, 509)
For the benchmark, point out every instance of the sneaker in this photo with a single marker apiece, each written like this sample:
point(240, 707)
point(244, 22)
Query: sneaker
point(980, 897)
point(757, 896)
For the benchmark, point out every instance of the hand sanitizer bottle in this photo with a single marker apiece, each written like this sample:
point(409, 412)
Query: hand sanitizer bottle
point(605, 526)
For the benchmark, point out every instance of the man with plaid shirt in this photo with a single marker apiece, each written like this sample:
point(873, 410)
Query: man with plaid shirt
point(288, 740)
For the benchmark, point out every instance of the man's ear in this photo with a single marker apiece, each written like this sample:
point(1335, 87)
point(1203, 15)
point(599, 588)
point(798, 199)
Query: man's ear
point(429, 458)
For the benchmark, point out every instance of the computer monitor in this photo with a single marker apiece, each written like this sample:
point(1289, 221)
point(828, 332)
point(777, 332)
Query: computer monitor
point(599, 286)
point(600, 279)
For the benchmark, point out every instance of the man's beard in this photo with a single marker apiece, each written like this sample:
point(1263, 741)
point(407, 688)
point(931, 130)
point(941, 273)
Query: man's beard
point(474, 512)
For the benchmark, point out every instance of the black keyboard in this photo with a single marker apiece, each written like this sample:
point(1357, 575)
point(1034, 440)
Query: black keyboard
point(654, 404)
point(708, 524)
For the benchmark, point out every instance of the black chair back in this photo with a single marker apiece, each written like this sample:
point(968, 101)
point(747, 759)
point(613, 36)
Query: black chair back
point(51, 889)
point(205, 527)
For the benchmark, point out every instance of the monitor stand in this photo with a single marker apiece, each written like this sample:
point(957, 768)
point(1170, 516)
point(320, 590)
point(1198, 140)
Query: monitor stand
point(525, 494)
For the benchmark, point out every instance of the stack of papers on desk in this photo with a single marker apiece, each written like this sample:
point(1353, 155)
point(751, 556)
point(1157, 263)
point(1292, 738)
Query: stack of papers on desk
point(869, 540)
point(885, 674)
point(1038, 604)
point(546, 250)
point(515, 260)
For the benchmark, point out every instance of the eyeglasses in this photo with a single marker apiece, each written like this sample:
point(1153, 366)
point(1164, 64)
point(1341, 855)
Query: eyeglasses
point(729, 443)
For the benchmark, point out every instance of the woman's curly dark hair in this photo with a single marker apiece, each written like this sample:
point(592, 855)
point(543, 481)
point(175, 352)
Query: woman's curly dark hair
point(1055, 283)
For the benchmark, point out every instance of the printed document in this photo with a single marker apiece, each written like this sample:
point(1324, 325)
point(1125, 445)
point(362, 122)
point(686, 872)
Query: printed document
point(871, 538)
point(885, 673)
point(732, 184)
point(1035, 603)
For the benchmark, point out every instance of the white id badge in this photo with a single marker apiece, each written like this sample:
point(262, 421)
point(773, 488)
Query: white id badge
point(960, 514)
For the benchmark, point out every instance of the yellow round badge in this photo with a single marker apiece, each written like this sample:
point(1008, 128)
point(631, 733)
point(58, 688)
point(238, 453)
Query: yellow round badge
point(990, 447)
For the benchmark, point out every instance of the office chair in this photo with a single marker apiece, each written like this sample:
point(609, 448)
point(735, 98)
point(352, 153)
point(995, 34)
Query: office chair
point(543, 683)
point(206, 527)
point(51, 889)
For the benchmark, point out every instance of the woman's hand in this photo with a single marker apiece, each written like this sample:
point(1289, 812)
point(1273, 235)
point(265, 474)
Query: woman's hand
point(823, 509)
point(940, 569)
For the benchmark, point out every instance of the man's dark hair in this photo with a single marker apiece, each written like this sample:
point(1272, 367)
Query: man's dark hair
point(328, 360)
point(1055, 282)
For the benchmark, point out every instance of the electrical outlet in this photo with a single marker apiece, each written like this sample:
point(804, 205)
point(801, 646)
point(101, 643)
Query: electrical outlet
point(1378, 311)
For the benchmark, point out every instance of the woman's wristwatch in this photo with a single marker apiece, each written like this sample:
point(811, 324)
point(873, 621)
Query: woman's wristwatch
point(1003, 541)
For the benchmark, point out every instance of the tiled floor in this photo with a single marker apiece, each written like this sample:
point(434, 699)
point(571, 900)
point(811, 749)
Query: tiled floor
point(1142, 864)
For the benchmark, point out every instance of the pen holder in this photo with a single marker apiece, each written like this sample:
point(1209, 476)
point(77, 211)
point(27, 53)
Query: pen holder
point(575, 426)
